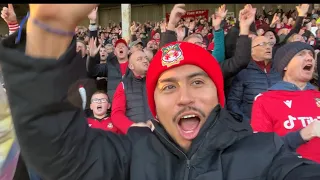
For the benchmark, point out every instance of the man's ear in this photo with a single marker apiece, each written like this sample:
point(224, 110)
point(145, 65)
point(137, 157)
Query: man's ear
point(286, 68)
point(130, 66)
point(109, 106)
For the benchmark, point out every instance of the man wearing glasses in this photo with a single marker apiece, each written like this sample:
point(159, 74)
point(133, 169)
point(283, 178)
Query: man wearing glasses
point(256, 78)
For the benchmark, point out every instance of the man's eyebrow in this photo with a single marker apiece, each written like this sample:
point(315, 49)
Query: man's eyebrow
point(172, 79)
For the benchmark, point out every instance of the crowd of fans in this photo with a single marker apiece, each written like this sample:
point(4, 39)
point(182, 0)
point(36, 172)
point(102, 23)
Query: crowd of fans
point(258, 55)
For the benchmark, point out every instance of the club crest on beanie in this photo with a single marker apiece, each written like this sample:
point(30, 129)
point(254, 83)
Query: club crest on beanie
point(178, 54)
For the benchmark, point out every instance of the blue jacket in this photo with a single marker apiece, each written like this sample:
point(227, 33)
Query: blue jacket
point(247, 85)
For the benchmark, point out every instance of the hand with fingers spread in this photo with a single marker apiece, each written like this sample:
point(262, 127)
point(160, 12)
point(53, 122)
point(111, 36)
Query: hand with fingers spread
point(176, 13)
point(247, 15)
point(246, 18)
point(8, 14)
point(218, 17)
point(302, 9)
point(93, 15)
point(93, 49)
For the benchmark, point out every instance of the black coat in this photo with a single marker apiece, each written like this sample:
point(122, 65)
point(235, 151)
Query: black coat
point(57, 143)
point(111, 70)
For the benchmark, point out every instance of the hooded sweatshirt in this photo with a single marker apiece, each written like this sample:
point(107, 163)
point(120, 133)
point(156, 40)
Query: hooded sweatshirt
point(285, 110)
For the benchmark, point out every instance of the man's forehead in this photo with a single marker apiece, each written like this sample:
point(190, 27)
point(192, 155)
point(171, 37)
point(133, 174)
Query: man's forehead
point(186, 71)
point(306, 51)
point(137, 54)
point(259, 39)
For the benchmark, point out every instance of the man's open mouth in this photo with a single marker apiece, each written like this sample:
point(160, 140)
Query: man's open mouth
point(308, 67)
point(189, 126)
point(120, 51)
point(99, 107)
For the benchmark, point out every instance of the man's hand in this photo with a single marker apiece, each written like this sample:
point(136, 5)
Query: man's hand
point(192, 25)
point(133, 28)
point(93, 49)
point(55, 15)
point(93, 15)
point(302, 9)
point(64, 17)
point(8, 14)
point(148, 124)
point(275, 20)
point(311, 131)
point(218, 17)
point(175, 15)
point(181, 33)
point(246, 17)
point(163, 26)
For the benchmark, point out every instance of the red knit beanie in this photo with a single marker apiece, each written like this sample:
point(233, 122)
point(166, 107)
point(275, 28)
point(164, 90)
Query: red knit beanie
point(177, 54)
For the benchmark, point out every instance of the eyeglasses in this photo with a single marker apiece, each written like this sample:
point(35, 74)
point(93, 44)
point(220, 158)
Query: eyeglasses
point(264, 44)
point(102, 100)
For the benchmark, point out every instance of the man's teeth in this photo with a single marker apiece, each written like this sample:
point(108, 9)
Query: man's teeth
point(189, 116)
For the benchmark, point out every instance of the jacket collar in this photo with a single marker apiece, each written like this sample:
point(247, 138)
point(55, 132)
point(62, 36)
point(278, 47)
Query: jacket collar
point(287, 86)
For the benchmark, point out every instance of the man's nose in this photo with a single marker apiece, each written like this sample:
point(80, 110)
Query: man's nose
point(186, 98)
point(309, 58)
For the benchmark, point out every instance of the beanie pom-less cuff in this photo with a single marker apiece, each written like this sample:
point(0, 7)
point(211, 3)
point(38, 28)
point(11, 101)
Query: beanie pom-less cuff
point(182, 53)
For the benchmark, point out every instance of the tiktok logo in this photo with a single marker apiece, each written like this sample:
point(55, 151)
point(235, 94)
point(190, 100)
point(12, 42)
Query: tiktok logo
point(305, 121)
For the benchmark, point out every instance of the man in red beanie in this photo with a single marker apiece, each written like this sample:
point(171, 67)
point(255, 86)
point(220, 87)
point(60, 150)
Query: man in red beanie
point(114, 70)
point(194, 137)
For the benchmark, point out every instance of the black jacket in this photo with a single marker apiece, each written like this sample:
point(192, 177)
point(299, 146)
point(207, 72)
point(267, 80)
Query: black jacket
point(56, 141)
point(137, 108)
point(111, 70)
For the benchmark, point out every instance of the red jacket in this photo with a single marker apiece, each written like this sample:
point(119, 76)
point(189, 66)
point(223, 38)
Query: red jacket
point(118, 112)
point(104, 124)
point(282, 112)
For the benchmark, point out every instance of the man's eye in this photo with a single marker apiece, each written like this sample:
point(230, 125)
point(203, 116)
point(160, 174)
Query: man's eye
point(168, 87)
point(197, 82)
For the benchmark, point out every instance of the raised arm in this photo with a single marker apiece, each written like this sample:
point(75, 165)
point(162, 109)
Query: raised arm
point(9, 16)
point(232, 66)
point(170, 35)
point(53, 134)
point(217, 18)
point(93, 27)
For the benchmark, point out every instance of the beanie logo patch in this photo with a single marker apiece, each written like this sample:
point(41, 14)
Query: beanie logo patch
point(171, 55)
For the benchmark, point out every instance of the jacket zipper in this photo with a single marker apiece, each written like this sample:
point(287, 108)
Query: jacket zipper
point(186, 173)
point(188, 167)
